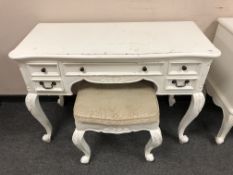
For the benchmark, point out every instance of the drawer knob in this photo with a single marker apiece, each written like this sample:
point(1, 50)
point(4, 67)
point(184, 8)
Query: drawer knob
point(53, 83)
point(82, 69)
point(184, 68)
point(43, 70)
point(180, 85)
point(144, 68)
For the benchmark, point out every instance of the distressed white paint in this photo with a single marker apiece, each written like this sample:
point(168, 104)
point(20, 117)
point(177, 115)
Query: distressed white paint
point(79, 141)
point(220, 78)
point(154, 142)
point(33, 105)
point(115, 40)
point(196, 105)
point(52, 56)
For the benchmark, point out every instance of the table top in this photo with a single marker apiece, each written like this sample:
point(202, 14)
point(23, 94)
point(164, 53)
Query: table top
point(115, 40)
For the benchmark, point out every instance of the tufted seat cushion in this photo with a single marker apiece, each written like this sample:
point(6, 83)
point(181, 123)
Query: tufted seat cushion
point(119, 104)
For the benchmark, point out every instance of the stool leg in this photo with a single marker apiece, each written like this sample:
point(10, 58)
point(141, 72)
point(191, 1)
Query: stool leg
point(80, 143)
point(155, 141)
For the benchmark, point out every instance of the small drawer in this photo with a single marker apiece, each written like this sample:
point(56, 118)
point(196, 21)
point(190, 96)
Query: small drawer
point(113, 69)
point(184, 68)
point(48, 69)
point(180, 84)
point(48, 86)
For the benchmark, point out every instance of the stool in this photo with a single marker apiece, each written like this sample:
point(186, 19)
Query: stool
point(116, 109)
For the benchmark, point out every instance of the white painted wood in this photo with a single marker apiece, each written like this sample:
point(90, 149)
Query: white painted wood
point(115, 53)
point(113, 129)
point(196, 105)
point(162, 80)
point(115, 40)
point(61, 100)
point(219, 100)
point(181, 83)
point(185, 68)
point(225, 128)
point(73, 69)
point(220, 79)
point(155, 141)
point(48, 85)
point(171, 100)
point(33, 105)
point(43, 69)
point(79, 141)
point(81, 128)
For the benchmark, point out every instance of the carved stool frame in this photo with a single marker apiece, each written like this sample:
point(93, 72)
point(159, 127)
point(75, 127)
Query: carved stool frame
point(79, 141)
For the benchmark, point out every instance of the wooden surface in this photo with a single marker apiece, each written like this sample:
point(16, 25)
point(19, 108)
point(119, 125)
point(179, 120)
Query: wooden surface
point(115, 40)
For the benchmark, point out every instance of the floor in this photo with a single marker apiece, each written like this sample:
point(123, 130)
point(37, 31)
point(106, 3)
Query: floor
point(23, 152)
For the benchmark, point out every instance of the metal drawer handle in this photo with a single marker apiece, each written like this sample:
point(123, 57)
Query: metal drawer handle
point(53, 83)
point(43, 70)
point(184, 68)
point(183, 85)
point(82, 69)
point(144, 69)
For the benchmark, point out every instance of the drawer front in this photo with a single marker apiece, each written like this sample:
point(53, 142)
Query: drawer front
point(48, 85)
point(113, 69)
point(181, 84)
point(39, 69)
point(183, 68)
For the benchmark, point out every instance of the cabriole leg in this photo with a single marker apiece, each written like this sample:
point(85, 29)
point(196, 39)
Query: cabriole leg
point(60, 100)
point(33, 105)
point(225, 128)
point(155, 141)
point(171, 100)
point(195, 107)
point(80, 143)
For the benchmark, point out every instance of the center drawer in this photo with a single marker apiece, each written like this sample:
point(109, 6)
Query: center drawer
point(73, 69)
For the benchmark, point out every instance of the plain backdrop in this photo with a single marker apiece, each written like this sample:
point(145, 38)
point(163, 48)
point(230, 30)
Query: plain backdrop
point(18, 17)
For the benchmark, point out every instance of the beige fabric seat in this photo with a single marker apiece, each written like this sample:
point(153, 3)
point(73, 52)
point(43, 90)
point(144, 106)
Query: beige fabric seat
point(128, 104)
point(116, 109)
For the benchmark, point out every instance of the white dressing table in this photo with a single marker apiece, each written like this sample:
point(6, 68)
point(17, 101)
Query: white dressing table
point(175, 56)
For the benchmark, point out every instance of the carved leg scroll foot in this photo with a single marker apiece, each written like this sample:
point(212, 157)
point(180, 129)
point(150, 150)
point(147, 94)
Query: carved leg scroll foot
point(33, 105)
point(171, 100)
point(80, 143)
point(227, 124)
point(155, 141)
point(60, 100)
point(195, 107)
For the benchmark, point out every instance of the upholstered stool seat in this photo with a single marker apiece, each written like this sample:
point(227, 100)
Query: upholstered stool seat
point(116, 109)
point(117, 104)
